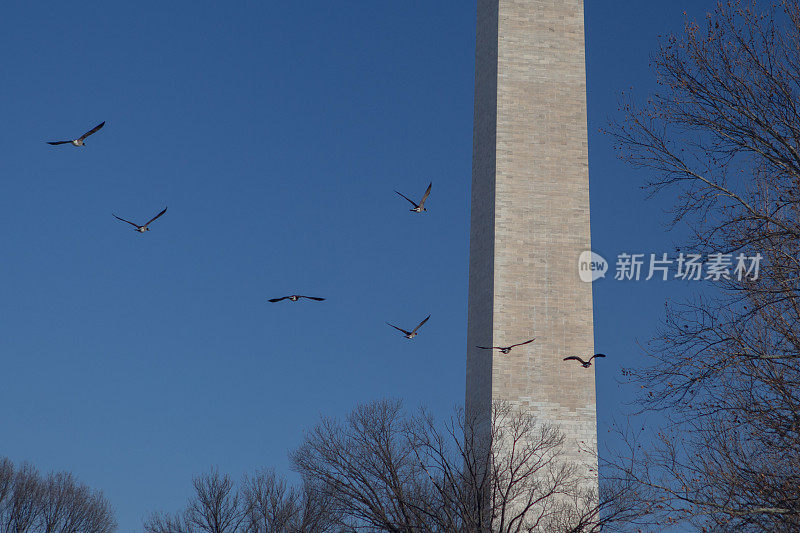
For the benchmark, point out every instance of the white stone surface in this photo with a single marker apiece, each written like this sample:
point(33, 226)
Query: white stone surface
point(530, 219)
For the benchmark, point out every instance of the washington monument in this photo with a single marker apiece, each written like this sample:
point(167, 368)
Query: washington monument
point(530, 219)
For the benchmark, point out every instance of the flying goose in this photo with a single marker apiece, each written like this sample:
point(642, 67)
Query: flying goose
point(413, 333)
point(141, 229)
point(585, 364)
point(295, 297)
point(504, 349)
point(418, 208)
point(79, 140)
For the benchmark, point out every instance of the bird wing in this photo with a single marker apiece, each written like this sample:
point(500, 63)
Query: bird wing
point(523, 343)
point(425, 196)
point(277, 299)
point(128, 221)
point(155, 217)
point(597, 355)
point(486, 347)
point(82, 137)
point(312, 298)
point(407, 198)
point(58, 142)
point(400, 329)
point(576, 358)
point(420, 324)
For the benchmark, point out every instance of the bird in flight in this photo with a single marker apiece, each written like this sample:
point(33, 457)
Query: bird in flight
point(79, 140)
point(585, 364)
point(295, 297)
point(141, 229)
point(418, 208)
point(413, 333)
point(505, 349)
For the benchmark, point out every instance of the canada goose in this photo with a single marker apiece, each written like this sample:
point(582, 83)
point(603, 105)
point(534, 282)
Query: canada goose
point(413, 333)
point(295, 297)
point(504, 349)
point(79, 140)
point(418, 208)
point(585, 364)
point(141, 229)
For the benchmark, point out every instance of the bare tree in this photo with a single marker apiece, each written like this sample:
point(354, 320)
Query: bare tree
point(273, 506)
point(55, 504)
point(6, 485)
point(24, 499)
point(516, 478)
point(265, 503)
point(215, 507)
point(389, 471)
point(316, 513)
point(166, 523)
point(723, 132)
point(369, 468)
point(69, 506)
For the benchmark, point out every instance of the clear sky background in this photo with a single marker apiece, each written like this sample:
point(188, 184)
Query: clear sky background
point(276, 133)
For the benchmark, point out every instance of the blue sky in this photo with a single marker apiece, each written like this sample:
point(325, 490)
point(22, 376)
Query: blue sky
point(276, 133)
